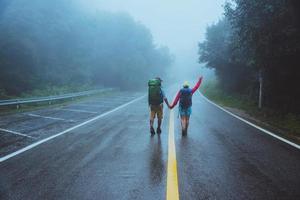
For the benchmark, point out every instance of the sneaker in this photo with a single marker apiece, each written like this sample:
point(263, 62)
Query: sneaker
point(158, 130)
point(152, 131)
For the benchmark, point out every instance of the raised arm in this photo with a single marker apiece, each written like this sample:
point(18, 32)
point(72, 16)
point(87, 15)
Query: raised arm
point(175, 100)
point(196, 87)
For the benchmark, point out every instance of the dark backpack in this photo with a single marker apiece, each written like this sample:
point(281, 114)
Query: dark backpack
point(154, 93)
point(185, 98)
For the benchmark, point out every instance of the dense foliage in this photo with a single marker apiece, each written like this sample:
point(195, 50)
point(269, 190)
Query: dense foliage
point(54, 43)
point(257, 37)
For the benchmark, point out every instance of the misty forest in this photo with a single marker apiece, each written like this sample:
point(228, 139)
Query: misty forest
point(48, 44)
point(257, 39)
point(54, 44)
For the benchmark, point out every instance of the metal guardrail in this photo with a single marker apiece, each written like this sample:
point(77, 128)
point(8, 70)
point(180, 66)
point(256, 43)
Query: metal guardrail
point(50, 98)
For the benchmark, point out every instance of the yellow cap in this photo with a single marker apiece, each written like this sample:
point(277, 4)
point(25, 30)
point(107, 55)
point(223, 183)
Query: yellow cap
point(186, 84)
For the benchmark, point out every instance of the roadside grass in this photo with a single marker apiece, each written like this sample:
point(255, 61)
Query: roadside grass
point(54, 104)
point(287, 125)
point(213, 92)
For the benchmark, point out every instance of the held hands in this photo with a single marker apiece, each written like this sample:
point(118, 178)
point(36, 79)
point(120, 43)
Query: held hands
point(169, 106)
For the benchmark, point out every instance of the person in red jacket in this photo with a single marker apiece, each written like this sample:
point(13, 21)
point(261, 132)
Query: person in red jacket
point(184, 96)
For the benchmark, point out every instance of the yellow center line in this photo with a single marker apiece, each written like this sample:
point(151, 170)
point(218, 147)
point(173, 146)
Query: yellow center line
point(172, 179)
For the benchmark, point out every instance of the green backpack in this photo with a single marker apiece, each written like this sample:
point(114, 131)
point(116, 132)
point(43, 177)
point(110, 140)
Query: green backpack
point(154, 94)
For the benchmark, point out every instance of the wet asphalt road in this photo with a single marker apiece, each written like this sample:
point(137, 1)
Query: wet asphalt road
point(115, 158)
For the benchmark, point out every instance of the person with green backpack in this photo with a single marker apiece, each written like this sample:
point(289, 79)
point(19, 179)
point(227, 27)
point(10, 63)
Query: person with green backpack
point(156, 99)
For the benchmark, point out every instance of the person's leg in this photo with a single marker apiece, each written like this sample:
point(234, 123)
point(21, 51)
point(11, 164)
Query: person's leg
point(152, 116)
point(188, 114)
point(151, 122)
point(152, 131)
point(159, 123)
point(181, 113)
point(159, 126)
point(187, 122)
point(184, 125)
point(182, 122)
point(159, 119)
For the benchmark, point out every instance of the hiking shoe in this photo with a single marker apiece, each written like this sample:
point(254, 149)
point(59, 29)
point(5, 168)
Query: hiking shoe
point(152, 131)
point(158, 130)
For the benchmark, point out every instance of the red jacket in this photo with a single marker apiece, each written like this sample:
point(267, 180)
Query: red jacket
point(195, 88)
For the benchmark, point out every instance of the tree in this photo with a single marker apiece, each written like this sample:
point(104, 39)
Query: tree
point(61, 45)
point(265, 37)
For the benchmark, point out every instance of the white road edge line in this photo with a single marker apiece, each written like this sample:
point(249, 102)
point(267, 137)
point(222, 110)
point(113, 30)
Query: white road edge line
point(47, 117)
point(4, 158)
point(76, 110)
point(251, 124)
point(16, 133)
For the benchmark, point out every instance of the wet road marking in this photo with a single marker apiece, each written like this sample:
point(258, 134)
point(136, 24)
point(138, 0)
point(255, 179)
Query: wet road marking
point(16, 133)
point(251, 124)
point(47, 117)
point(76, 110)
point(11, 155)
point(172, 179)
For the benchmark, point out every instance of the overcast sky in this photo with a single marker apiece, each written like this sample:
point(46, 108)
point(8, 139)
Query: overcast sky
point(178, 24)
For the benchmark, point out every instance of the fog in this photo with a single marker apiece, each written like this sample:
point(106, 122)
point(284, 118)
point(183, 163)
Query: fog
point(82, 44)
point(96, 43)
point(180, 25)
